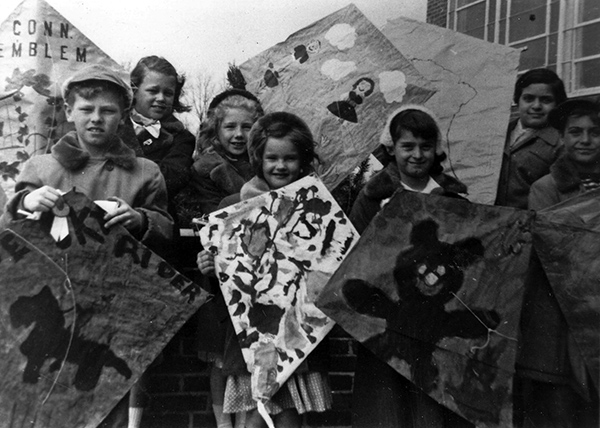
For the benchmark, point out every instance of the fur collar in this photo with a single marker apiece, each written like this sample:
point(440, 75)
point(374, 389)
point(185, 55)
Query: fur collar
point(70, 155)
point(565, 175)
point(387, 181)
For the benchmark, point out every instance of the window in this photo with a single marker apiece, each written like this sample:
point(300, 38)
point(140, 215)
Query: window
point(568, 44)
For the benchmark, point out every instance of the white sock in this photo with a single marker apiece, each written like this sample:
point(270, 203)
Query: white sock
point(135, 417)
point(223, 419)
point(240, 419)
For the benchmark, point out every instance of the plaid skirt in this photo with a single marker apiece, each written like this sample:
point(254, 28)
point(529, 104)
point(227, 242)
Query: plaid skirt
point(306, 392)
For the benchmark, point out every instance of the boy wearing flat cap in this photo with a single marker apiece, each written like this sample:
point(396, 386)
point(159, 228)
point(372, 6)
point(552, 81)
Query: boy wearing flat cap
point(94, 161)
point(556, 388)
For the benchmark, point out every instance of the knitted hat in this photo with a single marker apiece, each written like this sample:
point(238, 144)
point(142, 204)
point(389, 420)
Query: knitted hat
point(99, 72)
point(386, 136)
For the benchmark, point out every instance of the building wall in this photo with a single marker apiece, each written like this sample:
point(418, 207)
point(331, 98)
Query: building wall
point(180, 386)
point(437, 12)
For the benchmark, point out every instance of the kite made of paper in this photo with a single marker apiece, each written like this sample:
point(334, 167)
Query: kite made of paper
point(342, 76)
point(434, 288)
point(82, 318)
point(474, 82)
point(273, 254)
point(566, 238)
point(40, 48)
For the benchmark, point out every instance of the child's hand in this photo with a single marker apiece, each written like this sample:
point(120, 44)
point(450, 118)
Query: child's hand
point(41, 199)
point(124, 215)
point(206, 262)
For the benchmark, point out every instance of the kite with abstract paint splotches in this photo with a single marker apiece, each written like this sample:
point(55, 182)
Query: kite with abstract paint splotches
point(273, 255)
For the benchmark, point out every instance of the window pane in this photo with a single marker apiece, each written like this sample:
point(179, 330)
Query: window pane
point(522, 6)
point(527, 24)
point(534, 56)
point(491, 20)
point(462, 3)
point(590, 9)
point(586, 74)
point(587, 41)
point(552, 48)
point(471, 20)
point(554, 12)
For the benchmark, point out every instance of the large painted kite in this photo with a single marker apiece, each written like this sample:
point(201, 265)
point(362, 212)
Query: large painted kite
point(273, 255)
point(434, 288)
point(342, 76)
point(82, 318)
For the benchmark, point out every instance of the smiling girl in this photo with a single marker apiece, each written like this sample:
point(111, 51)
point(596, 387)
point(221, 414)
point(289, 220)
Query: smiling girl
point(153, 131)
point(282, 150)
point(222, 165)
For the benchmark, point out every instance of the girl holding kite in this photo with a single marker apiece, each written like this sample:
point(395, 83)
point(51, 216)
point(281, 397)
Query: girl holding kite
point(221, 168)
point(154, 132)
point(381, 396)
point(281, 150)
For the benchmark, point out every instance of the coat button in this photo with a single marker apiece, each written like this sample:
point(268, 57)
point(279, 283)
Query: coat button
point(110, 166)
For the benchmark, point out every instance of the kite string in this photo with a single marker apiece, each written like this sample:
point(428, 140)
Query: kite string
point(69, 287)
point(489, 330)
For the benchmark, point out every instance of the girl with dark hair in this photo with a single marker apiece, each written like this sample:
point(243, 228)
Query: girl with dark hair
point(154, 132)
point(531, 145)
point(282, 150)
point(381, 396)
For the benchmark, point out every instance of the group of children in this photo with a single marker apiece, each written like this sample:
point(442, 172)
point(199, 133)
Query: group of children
point(129, 147)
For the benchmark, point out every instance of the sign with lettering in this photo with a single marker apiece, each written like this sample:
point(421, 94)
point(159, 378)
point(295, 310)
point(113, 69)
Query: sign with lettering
point(82, 318)
point(342, 76)
point(39, 48)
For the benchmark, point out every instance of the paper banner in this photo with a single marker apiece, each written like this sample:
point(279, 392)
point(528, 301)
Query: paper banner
point(342, 76)
point(434, 288)
point(82, 318)
point(475, 83)
point(39, 49)
point(274, 253)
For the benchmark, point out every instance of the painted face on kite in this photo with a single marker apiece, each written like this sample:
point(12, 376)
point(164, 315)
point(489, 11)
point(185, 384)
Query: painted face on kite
point(234, 130)
point(314, 46)
point(414, 155)
point(96, 119)
point(363, 87)
point(280, 162)
point(155, 95)
point(535, 103)
point(582, 142)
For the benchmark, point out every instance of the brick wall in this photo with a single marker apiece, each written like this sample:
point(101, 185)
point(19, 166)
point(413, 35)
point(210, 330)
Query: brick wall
point(180, 390)
point(436, 12)
point(180, 386)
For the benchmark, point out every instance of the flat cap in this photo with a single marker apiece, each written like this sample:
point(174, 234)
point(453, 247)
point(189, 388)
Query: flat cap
point(99, 72)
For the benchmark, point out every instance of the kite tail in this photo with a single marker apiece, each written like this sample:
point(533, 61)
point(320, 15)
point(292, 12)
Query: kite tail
point(262, 410)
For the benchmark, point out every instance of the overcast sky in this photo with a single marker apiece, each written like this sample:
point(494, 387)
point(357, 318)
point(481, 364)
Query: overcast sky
point(205, 35)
